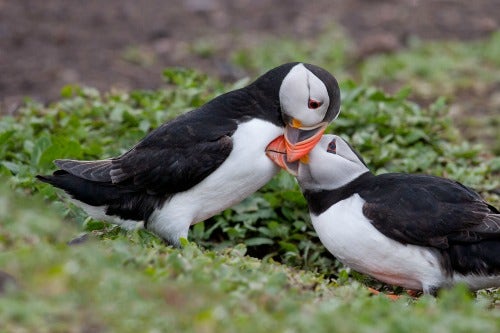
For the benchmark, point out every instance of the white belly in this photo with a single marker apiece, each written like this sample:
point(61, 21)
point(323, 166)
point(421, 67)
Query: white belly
point(245, 170)
point(352, 239)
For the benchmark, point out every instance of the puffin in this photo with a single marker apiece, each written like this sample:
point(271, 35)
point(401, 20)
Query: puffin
point(208, 159)
point(417, 231)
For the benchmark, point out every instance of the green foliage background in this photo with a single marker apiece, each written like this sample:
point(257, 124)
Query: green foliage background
point(119, 281)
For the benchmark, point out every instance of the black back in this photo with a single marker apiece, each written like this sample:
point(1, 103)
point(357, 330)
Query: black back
point(174, 157)
point(427, 211)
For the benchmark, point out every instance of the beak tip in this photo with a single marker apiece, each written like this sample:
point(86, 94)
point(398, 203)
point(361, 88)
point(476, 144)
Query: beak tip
point(296, 149)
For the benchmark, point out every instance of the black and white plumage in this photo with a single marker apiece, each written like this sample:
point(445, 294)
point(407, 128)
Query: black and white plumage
point(208, 159)
point(417, 231)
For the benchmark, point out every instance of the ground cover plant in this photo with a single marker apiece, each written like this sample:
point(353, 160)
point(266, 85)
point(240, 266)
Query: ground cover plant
point(131, 282)
point(256, 267)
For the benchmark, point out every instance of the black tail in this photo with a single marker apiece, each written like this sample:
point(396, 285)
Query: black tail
point(89, 192)
point(122, 200)
point(477, 258)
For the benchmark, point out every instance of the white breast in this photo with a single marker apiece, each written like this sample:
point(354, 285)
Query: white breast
point(352, 239)
point(245, 170)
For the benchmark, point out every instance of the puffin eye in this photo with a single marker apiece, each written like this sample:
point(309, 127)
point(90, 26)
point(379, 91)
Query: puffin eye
point(332, 147)
point(314, 104)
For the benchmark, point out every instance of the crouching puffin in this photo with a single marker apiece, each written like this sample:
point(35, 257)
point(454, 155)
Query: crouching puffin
point(417, 231)
point(206, 160)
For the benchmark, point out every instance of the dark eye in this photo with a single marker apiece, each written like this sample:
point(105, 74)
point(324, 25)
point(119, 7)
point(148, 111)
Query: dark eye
point(332, 147)
point(314, 104)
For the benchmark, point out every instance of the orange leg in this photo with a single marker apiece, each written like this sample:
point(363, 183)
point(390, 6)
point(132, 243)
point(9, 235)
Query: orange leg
point(411, 293)
point(390, 296)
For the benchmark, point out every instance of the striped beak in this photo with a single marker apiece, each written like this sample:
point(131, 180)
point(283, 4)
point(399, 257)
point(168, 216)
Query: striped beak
point(300, 140)
point(277, 152)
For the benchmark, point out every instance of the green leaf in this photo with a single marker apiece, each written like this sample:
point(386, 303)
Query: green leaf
point(60, 148)
point(38, 148)
point(13, 167)
point(289, 247)
point(256, 241)
point(92, 225)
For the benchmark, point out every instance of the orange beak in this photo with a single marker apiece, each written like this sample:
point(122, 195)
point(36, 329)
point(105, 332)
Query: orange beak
point(277, 152)
point(300, 140)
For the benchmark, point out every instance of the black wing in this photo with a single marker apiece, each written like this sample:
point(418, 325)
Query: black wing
point(429, 211)
point(172, 158)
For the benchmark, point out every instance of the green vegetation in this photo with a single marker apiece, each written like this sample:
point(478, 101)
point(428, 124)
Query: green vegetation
point(257, 266)
point(442, 68)
point(466, 73)
point(130, 282)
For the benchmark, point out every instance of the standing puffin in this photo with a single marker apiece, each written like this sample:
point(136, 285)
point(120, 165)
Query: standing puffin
point(417, 231)
point(206, 160)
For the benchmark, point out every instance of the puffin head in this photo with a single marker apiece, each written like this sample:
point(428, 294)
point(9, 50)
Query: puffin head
point(331, 164)
point(309, 99)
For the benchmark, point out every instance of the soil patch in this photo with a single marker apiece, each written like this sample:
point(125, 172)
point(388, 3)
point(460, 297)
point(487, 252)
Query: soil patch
point(126, 43)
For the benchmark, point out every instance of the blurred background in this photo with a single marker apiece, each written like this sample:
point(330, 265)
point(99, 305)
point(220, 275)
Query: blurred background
point(439, 58)
point(125, 44)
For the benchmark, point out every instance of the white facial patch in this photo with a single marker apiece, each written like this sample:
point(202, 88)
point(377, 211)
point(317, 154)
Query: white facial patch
point(298, 87)
point(327, 170)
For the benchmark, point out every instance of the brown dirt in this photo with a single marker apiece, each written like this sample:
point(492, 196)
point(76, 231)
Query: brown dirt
point(126, 43)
